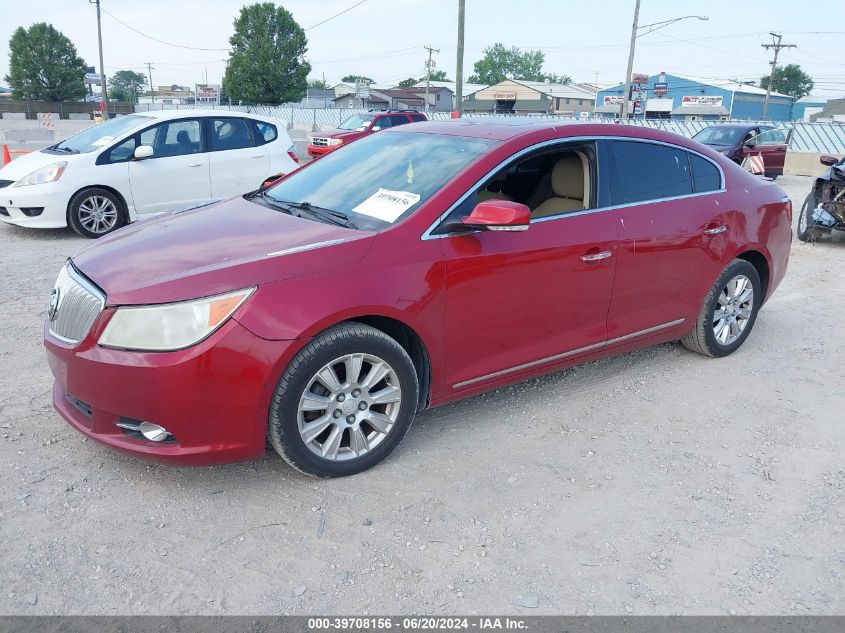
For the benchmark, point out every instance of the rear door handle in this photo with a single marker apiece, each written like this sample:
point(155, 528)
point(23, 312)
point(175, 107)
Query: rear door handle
point(196, 165)
point(595, 257)
point(715, 230)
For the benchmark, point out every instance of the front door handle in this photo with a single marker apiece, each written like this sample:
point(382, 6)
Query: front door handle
point(716, 230)
point(196, 165)
point(595, 257)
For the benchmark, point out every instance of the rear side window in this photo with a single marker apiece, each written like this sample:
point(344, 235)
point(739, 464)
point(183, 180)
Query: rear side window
point(227, 134)
point(646, 171)
point(264, 132)
point(705, 176)
point(417, 117)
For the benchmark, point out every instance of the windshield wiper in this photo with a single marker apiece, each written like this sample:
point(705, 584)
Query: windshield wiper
point(69, 150)
point(298, 208)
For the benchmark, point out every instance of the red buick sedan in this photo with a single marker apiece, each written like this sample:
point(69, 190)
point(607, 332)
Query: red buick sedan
point(411, 268)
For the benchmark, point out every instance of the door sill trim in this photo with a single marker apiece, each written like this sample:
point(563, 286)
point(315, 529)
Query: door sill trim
point(574, 352)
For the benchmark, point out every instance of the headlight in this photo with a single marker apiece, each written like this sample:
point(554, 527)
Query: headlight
point(49, 173)
point(334, 142)
point(170, 326)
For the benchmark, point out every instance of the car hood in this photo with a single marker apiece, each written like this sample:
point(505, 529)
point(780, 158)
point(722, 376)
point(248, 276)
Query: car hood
point(28, 163)
point(344, 134)
point(226, 246)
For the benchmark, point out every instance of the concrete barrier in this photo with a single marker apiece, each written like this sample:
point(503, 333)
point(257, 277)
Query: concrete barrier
point(79, 116)
point(14, 116)
point(803, 164)
point(27, 134)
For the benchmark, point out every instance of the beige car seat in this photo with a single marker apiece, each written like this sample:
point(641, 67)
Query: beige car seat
point(570, 184)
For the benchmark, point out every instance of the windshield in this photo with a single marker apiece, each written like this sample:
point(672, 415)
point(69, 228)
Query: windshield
point(98, 136)
point(355, 122)
point(720, 135)
point(382, 178)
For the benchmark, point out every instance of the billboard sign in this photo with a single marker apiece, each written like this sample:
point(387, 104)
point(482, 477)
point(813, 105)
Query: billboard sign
point(661, 88)
point(639, 78)
point(362, 89)
point(613, 99)
point(689, 101)
point(207, 93)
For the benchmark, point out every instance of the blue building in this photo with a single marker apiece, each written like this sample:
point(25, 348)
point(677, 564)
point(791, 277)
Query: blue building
point(686, 98)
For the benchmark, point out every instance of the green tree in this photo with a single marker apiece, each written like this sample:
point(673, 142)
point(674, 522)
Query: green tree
point(500, 63)
point(317, 83)
point(790, 80)
point(352, 79)
point(127, 85)
point(556, 79)
point(44, 65)
point(267, 63)
point(437, 75)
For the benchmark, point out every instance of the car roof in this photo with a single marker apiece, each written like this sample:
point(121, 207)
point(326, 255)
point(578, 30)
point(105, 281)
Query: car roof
point(165, 115)
point(738, 126)
point(512, 128)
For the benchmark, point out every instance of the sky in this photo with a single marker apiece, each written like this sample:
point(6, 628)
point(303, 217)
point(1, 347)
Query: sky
point(384, 39)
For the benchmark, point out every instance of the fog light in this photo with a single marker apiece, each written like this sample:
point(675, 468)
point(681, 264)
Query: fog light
point(153, 432)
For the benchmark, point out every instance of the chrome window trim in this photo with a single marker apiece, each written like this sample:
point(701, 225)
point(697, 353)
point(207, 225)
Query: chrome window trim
point(86, 283)
point(305, 247)
point(580, 350)
point(428, 235)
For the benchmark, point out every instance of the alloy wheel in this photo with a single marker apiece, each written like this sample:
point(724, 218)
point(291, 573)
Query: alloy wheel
point(349, 407)
point(98, 214)
point(734, 309)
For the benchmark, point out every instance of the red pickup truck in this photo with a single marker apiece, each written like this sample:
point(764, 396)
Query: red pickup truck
point(359, 125)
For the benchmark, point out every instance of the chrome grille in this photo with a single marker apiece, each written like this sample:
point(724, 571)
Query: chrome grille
point(319, 141)
point(77, 306)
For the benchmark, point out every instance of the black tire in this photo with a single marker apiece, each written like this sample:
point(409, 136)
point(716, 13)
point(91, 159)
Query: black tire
point(702, 339)
point(74, 211)
point(282, 420)
point(807, 233)
point(772, 176)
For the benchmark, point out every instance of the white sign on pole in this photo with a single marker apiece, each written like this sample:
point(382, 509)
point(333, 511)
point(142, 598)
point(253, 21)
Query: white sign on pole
point(207, 93)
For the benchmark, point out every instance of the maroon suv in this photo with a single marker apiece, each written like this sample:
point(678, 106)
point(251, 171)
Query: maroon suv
point(359, 125)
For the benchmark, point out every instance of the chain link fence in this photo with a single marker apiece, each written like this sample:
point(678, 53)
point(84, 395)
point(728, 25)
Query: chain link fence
point(827, 138)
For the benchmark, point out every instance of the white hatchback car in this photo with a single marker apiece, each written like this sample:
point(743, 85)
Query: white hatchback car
point(118, 171)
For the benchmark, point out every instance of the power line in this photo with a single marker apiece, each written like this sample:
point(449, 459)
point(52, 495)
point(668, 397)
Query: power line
point(314, 26)
point(160, 41)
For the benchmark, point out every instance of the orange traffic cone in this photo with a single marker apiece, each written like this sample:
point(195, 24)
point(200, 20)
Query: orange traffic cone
point(7, 157)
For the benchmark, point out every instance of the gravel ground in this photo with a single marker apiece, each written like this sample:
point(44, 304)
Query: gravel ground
point(658, 482)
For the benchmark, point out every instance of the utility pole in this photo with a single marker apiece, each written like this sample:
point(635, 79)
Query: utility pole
point(776, 45)
point(459, 71)
point(104, 96)
point(150, 71)
point(428, 72)
point(627, 92)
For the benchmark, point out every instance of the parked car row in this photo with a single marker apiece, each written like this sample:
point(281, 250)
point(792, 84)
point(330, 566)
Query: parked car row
point(740, 141)
point(360, 125)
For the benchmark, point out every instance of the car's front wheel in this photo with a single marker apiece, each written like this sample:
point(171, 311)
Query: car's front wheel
point(806, 232)
point(344, 403)
point(729, 311)
point(94, 212)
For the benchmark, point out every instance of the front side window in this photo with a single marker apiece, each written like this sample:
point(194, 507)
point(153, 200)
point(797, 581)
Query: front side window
point(228, 134)
point(382, 178)
point(770, 137)
point(647, 171)
point(720, 135)
point(122, 152)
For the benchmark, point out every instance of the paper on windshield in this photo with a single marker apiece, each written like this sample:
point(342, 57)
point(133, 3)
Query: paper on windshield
point(387, 205)
point(103, 140)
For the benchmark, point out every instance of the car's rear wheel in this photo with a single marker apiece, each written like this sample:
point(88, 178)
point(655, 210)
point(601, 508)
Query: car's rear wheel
point(729, 311)
point(94, 212)
point(806, 232)
point(344, 403)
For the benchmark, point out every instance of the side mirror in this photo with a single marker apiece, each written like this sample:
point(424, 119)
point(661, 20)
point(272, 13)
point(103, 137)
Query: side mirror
point(142, 152)
point(498, 215)
point(375, 128)
point(828, 161)
point(750, 144)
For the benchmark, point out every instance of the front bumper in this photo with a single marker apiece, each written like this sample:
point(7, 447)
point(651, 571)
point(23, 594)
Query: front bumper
point(212, 397)
point(315, 151)
point(52, 197)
